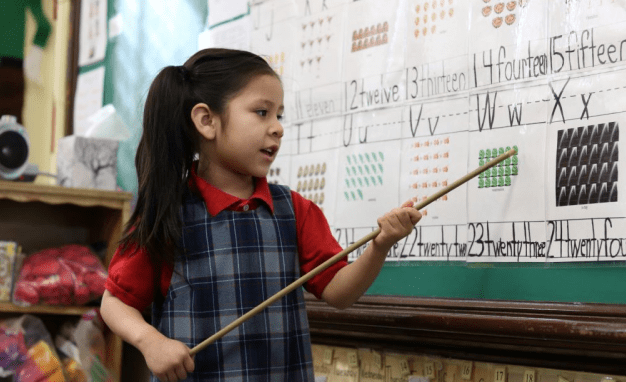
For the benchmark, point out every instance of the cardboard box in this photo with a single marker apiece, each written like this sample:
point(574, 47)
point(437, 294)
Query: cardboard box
point(87, 162)
point(9, 251)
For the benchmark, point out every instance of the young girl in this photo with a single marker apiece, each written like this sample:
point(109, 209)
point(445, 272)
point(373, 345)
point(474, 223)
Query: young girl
point(210, 239)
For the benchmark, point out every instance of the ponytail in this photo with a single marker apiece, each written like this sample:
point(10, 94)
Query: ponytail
point(163, 161)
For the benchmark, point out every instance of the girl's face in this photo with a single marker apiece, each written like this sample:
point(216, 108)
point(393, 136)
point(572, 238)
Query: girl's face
point(250, 133)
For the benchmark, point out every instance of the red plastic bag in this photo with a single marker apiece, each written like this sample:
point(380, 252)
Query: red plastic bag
point(69, 275)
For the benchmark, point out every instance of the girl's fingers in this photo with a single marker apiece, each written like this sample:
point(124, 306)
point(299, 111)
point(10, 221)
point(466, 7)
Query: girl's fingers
point(189, 364)
point(181, 373)
point(415, 216)
point(408, 203)
point(408, 217)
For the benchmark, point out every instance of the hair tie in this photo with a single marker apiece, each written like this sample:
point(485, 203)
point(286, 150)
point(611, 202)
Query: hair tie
point(184, 73)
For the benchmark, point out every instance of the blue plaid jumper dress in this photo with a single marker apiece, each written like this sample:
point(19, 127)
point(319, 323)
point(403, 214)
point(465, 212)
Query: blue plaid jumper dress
point(233, 262)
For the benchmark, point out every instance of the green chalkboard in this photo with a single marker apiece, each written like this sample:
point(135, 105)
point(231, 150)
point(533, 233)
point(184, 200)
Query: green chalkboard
point(582, 282)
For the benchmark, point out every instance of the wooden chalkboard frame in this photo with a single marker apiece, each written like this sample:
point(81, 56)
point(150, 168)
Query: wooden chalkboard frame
point(586, 337)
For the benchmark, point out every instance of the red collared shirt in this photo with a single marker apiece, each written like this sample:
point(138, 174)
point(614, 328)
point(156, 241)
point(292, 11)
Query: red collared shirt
point(130, 272)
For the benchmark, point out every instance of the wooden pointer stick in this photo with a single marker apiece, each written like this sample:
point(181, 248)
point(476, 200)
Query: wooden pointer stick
point(299, 282)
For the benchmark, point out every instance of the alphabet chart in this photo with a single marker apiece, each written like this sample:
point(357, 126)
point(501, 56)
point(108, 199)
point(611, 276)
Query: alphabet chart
point(392, 100)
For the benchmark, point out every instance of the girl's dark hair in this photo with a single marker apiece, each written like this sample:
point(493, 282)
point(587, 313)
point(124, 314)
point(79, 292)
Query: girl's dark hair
point(170, 141)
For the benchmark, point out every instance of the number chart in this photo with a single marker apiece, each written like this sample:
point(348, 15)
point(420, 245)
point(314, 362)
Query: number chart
point(390, 101)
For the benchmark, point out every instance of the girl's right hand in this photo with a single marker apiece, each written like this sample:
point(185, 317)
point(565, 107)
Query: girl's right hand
point(169, 360)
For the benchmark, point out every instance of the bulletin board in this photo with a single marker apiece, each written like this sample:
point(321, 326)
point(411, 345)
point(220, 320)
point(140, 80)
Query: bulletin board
point(392, 100)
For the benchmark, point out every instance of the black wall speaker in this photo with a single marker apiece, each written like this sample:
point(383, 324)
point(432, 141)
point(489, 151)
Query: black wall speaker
point(14, 148)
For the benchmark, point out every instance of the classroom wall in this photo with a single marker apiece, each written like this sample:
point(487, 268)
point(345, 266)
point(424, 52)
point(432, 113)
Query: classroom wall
point(388, 101)
point(154, 35)
point(45, 104)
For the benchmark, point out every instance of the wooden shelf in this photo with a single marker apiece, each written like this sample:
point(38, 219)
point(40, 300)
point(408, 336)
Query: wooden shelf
point(29, 192)
point(41, 216)
point(45, 309)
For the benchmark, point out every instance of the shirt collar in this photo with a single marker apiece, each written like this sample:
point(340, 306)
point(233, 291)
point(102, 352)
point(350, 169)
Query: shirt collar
point(217, 200)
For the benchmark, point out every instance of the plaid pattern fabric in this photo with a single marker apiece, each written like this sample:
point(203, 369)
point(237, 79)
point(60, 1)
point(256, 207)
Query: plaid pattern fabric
point(233, 262)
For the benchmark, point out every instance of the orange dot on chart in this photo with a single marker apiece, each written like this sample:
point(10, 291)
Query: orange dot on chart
point(510, 19)
point(511, 5)
point(417, 8)
point(417, 33)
